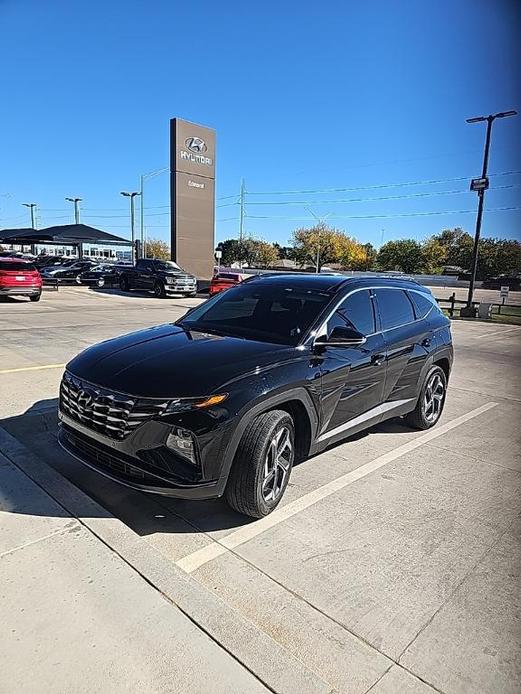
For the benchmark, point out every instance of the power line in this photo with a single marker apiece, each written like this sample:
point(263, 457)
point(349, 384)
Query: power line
point(385, 197)
point(377, 186)
point(387, 216)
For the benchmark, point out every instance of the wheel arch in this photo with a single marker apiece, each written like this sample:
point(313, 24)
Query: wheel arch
point(297, 403)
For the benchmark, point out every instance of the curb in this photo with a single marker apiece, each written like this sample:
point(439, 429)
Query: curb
point(267, 660)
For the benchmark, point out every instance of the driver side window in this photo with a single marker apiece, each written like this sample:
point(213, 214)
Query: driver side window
point(355, 312)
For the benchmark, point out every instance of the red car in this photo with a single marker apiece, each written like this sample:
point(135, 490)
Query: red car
point(19, 278)
point(224, 280)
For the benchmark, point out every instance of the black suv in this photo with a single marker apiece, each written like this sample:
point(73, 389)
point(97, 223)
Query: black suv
point(163, 277)
point(224, 401)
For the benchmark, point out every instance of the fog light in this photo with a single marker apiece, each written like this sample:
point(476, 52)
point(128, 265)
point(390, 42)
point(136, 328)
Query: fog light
point(181, 441)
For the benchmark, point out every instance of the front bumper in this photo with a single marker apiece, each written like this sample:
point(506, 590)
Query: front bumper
point(139, 461)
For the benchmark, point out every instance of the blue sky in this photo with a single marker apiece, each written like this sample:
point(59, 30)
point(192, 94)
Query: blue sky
point(304, 97)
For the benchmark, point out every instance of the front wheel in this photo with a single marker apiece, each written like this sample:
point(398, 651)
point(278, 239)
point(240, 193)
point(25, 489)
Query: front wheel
point(159, 290)
point(431, 401)
point(124, 285)
point(262, 465)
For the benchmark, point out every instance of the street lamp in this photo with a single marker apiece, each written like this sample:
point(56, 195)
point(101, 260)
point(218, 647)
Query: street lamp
point(142, 179)
point(132, 216)
point(480, 185)
point(76, 202)
point(32, 207)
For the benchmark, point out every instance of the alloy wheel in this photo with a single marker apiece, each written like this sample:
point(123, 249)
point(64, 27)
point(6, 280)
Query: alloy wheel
point(279, 458)
point(433, 398)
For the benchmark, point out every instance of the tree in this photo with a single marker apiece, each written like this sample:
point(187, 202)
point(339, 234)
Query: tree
point(458, 246)
point(266, 254)
point(284, 252)
point(157, 248)
point(230, 251)
point(434, 256)
point(367, 258)
point(333, 245)
point(405, 255)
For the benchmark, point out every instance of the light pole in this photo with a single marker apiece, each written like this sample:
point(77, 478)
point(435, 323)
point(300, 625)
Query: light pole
point(132, 217)
point(32, 207)
point(76, 202)
point(142, 179)
point(480, 185)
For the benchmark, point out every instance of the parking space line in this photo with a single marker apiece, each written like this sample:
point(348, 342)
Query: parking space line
point(32, 368)
point(498, 332)
point(196, 559)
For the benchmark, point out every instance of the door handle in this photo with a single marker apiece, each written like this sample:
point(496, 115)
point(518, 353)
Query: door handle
point(378, 359)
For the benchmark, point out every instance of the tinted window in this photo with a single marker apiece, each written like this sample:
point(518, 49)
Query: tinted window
point(423, 303)
point(17, 266)
point(270, 313)
point(166, 265)
point(395, 307)
point(143, 264)
point(356, 312)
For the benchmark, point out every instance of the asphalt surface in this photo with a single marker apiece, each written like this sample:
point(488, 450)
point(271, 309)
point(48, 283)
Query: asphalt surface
point(392, 564)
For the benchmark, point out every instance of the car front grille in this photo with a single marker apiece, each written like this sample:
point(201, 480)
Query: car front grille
point(113, 414)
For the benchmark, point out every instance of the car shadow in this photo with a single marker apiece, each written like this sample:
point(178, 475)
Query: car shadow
point(146, 514)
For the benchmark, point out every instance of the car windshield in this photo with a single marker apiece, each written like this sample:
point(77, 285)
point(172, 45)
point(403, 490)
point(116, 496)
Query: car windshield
point(268, 313)
point(166, 265)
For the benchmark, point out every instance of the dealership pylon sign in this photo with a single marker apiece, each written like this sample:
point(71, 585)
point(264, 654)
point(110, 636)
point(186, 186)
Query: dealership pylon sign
point(192, 196)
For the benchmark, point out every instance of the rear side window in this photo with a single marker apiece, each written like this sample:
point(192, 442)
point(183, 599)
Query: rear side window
point(395, 308)
point(423, 303)
point(16, 266)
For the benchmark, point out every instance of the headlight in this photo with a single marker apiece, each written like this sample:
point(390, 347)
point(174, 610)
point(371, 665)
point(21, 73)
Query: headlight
point(184, 404)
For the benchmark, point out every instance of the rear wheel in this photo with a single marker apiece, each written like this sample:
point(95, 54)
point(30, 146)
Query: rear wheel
point(123, 284)
point(191, 294)
point(35, 297)
point(159, 290)
point(431, 401)
point(262, 465)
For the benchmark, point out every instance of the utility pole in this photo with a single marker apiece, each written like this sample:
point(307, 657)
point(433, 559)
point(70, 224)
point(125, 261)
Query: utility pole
point(32, 207)
point(480, 185)
point(76, 202)
point(241, 203)
point(132, 221)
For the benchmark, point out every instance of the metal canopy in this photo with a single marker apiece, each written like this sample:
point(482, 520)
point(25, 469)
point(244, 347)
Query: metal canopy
point(68, 234)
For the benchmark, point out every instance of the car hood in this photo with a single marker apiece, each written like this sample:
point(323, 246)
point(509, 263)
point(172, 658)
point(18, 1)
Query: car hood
point(168, 362)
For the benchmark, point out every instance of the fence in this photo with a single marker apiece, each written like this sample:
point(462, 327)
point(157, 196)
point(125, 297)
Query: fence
point(452, 305)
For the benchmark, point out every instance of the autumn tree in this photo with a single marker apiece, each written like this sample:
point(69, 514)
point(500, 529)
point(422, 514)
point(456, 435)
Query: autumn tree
point(157, 248)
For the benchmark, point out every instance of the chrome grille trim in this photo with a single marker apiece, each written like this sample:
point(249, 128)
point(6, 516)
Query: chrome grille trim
point(113, 414)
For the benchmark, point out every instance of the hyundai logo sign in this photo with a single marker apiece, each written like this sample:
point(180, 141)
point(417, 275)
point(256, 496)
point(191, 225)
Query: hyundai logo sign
point(196, 144)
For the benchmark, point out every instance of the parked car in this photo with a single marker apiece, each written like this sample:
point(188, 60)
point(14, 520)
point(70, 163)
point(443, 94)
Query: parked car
point(273, 370)
point(511, 281)
point(104, 274)
point(19, 278)
point(162, 277)
point(224, 280)
point(42, 261)
point(67, 272)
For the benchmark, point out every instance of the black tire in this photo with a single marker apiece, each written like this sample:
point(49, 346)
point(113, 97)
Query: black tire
point(123, 284)
point(159, 290)
point(249, 490)
point(35, 297)
point(190, 295)
point(423, 417)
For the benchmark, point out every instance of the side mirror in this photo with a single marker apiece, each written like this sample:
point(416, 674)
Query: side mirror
point(343, 337)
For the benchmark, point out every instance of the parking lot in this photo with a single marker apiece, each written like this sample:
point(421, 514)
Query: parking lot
point(393, 562)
